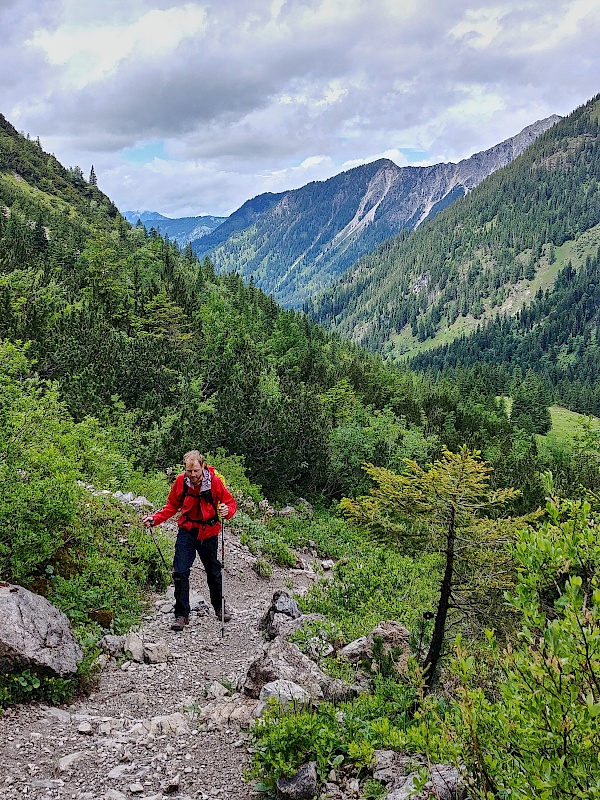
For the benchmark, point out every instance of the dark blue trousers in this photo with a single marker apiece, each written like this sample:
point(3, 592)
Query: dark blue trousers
point(186, 547)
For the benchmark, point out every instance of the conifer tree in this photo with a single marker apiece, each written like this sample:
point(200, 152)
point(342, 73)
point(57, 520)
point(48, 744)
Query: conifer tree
point(443, 508)
point(93, 180)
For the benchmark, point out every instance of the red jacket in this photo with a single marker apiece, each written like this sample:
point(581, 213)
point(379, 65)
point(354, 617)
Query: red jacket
point(196, 511)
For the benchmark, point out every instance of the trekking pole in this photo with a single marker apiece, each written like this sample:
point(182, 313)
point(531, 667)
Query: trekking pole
point(222, 578)
point(151, 529)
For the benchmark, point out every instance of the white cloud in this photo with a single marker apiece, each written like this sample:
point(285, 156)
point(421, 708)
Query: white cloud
point(90, 52)
point(197, 105)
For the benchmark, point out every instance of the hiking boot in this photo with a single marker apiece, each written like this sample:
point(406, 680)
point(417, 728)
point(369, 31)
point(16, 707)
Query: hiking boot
point(227, 616)
point(180, 623)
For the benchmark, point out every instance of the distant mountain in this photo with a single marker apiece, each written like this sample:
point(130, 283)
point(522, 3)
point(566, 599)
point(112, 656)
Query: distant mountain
point(507, 275)
point(296, 243)
point(182, 229)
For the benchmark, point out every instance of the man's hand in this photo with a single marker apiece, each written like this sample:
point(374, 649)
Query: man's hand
point(148, 520)
point(223, 510)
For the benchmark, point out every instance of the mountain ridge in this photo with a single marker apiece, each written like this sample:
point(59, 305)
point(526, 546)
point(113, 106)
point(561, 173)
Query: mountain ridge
point(297, 243)
point(183, 230)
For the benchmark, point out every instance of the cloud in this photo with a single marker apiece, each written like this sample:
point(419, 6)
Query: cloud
point(189, 103)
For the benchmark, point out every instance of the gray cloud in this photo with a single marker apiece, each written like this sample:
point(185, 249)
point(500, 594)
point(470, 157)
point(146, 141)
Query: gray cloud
point(245, 97)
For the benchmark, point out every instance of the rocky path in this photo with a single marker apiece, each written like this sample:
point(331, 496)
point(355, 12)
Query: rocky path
point(144, 732)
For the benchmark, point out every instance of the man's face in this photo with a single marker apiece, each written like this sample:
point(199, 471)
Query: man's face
point(193, 470)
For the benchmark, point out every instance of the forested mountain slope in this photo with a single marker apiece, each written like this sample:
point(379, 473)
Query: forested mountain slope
point(169, 356)
point(486, 255)
point(296, 243)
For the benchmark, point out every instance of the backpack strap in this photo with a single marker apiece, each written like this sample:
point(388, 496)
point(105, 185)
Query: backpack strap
point(207, 496)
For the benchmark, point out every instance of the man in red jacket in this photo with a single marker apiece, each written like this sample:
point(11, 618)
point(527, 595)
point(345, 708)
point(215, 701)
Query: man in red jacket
point(201, 496)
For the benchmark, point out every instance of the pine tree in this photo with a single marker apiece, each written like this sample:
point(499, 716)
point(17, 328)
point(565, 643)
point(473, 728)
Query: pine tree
point(93, 180)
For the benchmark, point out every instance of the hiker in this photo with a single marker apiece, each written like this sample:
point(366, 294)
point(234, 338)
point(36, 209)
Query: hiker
point(204, 500)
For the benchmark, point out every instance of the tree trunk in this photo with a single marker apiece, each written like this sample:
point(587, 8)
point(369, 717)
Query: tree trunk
point(437, 640)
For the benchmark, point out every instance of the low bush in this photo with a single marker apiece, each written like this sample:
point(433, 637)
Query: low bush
point(374, 585)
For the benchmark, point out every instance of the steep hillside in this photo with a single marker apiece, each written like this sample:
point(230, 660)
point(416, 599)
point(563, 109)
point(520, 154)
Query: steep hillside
point(181, 230)
point(297, 243)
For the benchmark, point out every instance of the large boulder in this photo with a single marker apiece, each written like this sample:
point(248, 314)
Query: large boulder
point(34, 634)
point(282, 660)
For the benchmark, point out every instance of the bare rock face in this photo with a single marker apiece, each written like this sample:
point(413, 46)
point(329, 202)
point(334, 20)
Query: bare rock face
point(35, 634)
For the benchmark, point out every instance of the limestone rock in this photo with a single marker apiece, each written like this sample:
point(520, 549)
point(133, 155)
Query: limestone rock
point(66, 762)
point(287, 693)
point(34, 633)
point(391, 767)
point(156, 652)
point(393, 635)
point(282, 625)
point(301, 786)
point(113, 645)
point(288, 511)
point(134, 645)
point(283, 660)
point(215, 690)
point(282, 608)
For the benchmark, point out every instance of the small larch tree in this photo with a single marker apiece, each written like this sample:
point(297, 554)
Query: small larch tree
point(444, 509)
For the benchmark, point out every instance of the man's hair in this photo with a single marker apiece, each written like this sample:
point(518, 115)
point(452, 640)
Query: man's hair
point(193, 455)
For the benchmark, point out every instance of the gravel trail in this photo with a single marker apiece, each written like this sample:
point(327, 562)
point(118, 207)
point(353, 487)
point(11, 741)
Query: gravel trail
point(115, 743)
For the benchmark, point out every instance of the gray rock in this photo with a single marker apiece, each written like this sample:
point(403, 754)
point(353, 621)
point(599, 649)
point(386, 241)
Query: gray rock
point(288, 511)
point(141, 503)
point(391, 767)
point(85, 728)
point(34, 633)
point(328, 564)
point(444, 783)
point(118, 771)
point(114, 794)
point(215, 690)
point(282, 625)
point(156, 652)
point(287, 693)
point(66, 762)
point(133, 644)
point(284, 604)
point(283, 660)
point(48, 783)
point(169, 725)
point(393, 635)
point(301, 786)
point(281, 605)
point(113, 645)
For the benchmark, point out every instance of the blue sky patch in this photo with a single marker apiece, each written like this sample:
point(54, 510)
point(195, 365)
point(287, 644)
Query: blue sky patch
point(145, 152)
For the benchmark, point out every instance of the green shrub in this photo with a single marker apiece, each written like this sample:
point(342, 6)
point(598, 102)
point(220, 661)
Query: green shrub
point(375, 585)
point(262, 568)
point(343, 735)
point(542, 738)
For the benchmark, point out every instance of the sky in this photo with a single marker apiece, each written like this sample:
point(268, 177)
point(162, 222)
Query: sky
point(191, 108)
